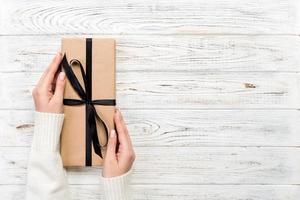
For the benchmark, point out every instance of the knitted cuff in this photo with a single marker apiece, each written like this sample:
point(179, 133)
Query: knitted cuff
point(47, 131)
point(117, 188)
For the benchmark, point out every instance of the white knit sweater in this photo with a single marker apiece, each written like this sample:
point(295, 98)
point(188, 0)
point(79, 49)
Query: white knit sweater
point(46, 179)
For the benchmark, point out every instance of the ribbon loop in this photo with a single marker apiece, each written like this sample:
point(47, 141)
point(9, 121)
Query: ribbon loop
point(72, 78)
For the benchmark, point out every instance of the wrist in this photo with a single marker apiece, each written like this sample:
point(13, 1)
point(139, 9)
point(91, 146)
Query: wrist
point(115, 175)
point(49, 110)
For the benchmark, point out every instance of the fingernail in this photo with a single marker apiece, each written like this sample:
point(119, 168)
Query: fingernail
point(58, 55)
point(112, 134)
point(62, 76)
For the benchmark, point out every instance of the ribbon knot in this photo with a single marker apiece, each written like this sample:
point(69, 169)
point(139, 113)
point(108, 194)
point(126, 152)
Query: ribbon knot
point(92, 117)
point(89, 102)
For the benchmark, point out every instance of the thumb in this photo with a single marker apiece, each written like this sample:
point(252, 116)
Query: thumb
point(111, 146)
point(60, 87)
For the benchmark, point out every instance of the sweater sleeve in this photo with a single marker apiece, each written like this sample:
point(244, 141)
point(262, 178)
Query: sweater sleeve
point(117, 188)
point(46, 177)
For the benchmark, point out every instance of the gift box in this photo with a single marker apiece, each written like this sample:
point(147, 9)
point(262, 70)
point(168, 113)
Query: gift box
point(89, 99)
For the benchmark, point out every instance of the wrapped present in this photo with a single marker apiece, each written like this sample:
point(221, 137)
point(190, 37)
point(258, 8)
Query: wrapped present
point(89, 99)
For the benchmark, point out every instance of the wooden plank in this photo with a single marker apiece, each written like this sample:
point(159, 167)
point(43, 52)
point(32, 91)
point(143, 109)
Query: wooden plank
point(181, 165)
point(205, 192)
point(180, 192)
point(182, 127)
point(167, 53)
point(177, 90)
point(154, 17)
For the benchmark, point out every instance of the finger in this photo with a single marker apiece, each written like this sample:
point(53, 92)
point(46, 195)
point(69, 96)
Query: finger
point(42, 77)
point(122, 130)
point(60, 87)
point(111, 146)
point(126, 134)
point(52, 70)
point(53, 84)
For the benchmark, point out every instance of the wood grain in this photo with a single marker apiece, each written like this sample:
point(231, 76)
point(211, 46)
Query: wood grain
point(209, 90)
point(167, 53)
point(177, 90)
point(150, 17)
point(180, 192)
point(181, 165)
point(190, 128)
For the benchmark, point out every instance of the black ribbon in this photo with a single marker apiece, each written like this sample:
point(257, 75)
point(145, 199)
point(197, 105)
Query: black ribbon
point(85, 94)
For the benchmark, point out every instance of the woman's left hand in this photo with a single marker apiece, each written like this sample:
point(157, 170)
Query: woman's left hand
point(49, 91)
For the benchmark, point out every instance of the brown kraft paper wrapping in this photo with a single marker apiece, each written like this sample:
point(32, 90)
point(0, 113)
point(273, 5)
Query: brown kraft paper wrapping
point(73, 136)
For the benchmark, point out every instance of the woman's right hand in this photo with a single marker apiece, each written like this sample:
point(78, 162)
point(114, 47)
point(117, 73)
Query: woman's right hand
point(118, 161)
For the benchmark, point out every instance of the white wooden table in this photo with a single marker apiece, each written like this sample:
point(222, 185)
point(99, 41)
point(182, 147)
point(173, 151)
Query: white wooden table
point(209, 89)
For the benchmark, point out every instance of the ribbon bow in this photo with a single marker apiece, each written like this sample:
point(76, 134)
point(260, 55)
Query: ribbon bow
point(92, 116)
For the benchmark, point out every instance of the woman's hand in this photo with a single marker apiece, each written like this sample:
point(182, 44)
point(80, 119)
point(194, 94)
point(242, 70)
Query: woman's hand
point(48, 93)
point(119, 158)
